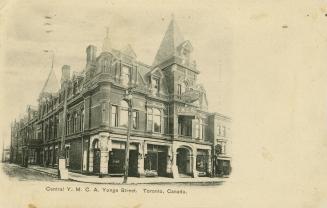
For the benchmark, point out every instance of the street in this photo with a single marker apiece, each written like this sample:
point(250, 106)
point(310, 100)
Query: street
point(25, 174)
point(36, 173)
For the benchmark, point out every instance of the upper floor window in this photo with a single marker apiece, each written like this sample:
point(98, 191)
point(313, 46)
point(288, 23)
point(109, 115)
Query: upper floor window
point(125, 75)
point(135, 120)
point(154, 120)
point(114, 115)
point(75, 122)
point(105, 66)
point(156, 85)
point(123, 114)
point(179, 89)
point(68, 123)
point(82, 120)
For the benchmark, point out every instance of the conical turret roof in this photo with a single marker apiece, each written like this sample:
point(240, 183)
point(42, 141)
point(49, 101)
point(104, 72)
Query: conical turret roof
point(173, 38)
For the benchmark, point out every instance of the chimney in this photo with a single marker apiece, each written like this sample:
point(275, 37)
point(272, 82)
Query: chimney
point(91, 51)
point(65, 73)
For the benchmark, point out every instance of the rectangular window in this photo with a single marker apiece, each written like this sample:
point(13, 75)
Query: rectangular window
point(135, 120)
point(151, 161)
point(156, 85)
point(149, 119)
point(179, 89)
point(114, 115)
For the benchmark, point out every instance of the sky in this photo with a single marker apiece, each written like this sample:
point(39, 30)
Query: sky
point(273, 79)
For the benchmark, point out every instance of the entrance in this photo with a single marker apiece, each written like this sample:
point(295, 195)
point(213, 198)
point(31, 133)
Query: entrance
point(155, 162)
point(183, 161)
point(96, 157)
point(117, 160)
point(96, 161)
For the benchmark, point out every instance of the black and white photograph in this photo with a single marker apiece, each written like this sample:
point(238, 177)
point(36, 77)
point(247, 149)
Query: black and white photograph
point(163, 104)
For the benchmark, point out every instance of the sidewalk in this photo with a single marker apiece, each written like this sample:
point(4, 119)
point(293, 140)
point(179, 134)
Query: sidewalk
point(131, 180)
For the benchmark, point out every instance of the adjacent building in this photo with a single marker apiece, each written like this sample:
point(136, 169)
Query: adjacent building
point(173, 134)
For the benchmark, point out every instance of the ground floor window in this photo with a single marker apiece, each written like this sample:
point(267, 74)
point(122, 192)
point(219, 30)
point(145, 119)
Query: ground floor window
point(116, 161)
point(155, 161)
point(55, 157)
point(223, 167)
point(202, 159)
point(32, 156)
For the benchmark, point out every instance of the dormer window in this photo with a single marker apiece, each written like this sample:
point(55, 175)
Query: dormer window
point(125, 75)
point(105, 66)
point(156, 85)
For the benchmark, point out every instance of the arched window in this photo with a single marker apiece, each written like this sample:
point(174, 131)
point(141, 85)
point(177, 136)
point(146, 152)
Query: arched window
point(123, 114)
point(96, 144)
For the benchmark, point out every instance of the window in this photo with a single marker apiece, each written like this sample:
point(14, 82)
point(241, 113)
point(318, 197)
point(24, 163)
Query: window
point(179, 89)
point(154, 120)
point(156, 86)
point(149, 119)
point(56, 121)
point(82, 120)
point(151, 161)
point(165, 118)
point(123, 114)
point(105, 66)
point(68, 125)
point(135, 119)
point(114, 115)
point(75, 123)
point(203, 129)
point(125, 75)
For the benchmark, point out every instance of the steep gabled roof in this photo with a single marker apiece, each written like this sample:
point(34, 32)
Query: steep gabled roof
point(172, 39)
point(51, 85)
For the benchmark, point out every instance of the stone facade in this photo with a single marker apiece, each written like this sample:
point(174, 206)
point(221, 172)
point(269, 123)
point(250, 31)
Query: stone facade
point(172, 132)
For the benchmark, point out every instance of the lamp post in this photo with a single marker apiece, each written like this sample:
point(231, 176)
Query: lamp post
point(128, 98)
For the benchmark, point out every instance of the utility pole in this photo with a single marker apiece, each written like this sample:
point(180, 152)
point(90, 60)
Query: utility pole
point(63, 172)
point(128, 98)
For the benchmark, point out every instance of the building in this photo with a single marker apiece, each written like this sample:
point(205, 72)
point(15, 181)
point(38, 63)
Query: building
point(172, 135)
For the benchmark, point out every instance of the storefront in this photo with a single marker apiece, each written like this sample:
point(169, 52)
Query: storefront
point(202, 162)
point(117, 159)
point(155, 161)
point(223, 167)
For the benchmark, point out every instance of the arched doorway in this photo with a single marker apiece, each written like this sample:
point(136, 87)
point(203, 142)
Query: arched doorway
point(96, 156)
point(183, 161)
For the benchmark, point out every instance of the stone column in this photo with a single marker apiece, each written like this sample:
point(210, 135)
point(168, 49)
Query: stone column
point(140, 160)
point(174, 164)
point(104, 162)
point(91, 153)
point(104, 153)
point(169, 162)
